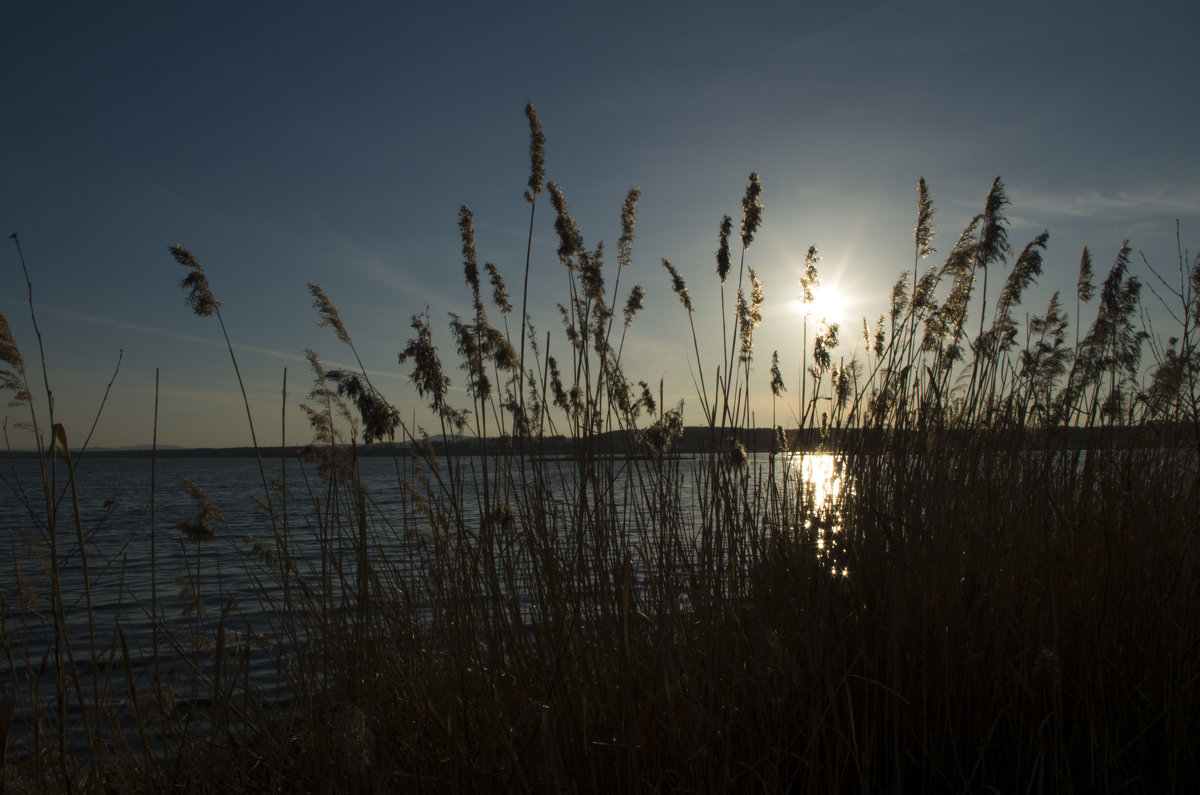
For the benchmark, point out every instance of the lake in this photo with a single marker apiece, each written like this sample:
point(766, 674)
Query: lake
point(138, 547)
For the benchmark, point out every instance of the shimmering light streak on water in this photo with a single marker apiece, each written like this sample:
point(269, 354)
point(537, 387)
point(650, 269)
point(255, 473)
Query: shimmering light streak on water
point(820, 478)
point(820, 473)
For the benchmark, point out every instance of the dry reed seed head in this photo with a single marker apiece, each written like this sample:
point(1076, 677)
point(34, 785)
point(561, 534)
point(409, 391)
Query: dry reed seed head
point(924, 230)
point(845, 382)
point(1024, 272)
point(568, 326)
point(1085, 289)
point(879, 336)
point(900, 295)
point(497, 346)
point(466, 227)
point(954, 311)
point(777, 385)
point(647, 398)
point(315, 364)
point(993, 238)
point(724, 261)
point(379, 418)
point(570, 241)
point(734, 453)
point(499, 293)
point(191, 601)
point(1195, 287)
point(328, 312)
point(620, 395)
point(959, 260)
point(679, 286)
point(745, 326)
point(1110, 291)
point(200, 296)
point(809, 278)
point(506, 518)
point(922, 298)
point(750, 313)
point(751, 209)
point(471, 353)
point(321, 420)
point(556, 384)
point(522, 426)
point(633, 304)
point(12, 380)
point(426, 375)
point(811, 258)
point(537, 154)
point(825, 341)
point(199, 527)
point(575, 400)
point(756, 295)
point(628, 227)
point(260, 549)
point(10, 354)
point(261, 504)
point(207, 507)
point(661, 436)
point(590, 273)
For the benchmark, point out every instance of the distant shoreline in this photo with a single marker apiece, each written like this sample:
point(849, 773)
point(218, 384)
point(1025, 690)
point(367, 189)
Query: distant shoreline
point(696, 439)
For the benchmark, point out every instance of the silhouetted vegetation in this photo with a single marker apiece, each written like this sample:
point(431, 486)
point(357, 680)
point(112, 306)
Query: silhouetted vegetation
point(581, 593)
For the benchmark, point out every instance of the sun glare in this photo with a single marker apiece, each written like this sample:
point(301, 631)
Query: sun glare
point(828, 305)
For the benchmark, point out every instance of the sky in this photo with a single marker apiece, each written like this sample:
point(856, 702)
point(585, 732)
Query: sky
point(284, 143)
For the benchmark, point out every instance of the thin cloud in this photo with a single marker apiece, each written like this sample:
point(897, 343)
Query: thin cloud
point(1101, 205)
point(142, 328)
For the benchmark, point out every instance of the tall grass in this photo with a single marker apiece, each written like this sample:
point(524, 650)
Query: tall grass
point(997, 598)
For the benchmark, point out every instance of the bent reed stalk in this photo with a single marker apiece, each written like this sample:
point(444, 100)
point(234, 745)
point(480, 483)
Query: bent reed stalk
point(580, 593)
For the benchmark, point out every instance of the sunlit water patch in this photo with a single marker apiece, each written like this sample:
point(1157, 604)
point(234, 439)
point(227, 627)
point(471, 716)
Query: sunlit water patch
point(818, 484)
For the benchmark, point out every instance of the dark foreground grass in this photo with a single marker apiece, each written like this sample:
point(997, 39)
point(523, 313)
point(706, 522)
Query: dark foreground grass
point(999, 598)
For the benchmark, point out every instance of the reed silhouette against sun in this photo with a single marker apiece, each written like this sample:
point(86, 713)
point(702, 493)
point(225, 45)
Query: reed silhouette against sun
point(956, 563)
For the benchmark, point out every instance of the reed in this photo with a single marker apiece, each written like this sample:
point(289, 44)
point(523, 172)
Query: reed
point(581, 594)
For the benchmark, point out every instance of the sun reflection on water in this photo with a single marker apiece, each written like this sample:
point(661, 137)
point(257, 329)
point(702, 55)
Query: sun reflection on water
point(819, 479)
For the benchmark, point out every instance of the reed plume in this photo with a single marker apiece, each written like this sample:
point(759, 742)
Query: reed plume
point(200, 526)
point(752, 209)
point(328, 313)
point(426, 374)
point(12, 377)
point(628, 227)
point(200, 296)
point(537, 154)
point(499, 293)
point(679, 286)
point(724, 264)
point(570, 241)
point(923, 234)
point(777, 385)
point(1085, 289)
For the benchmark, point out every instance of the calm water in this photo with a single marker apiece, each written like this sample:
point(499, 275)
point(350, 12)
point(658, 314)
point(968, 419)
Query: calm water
point(136, 546)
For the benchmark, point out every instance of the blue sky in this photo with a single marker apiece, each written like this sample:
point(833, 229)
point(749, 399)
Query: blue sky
point(284, 143)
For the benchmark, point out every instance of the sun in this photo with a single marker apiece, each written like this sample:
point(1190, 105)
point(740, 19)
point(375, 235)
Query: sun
point(828, 304)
